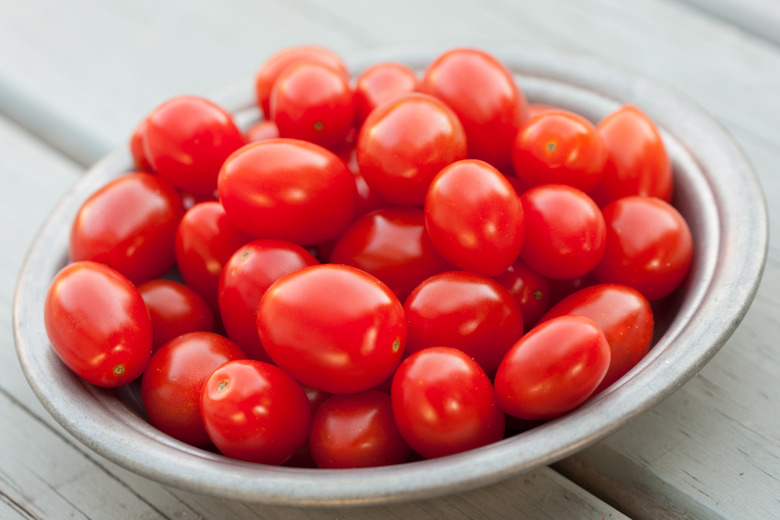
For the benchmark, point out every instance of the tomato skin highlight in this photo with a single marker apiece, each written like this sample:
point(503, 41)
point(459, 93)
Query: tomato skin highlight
point(98, 324)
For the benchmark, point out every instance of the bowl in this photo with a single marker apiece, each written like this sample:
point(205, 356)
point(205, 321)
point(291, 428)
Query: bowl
point(715, 189)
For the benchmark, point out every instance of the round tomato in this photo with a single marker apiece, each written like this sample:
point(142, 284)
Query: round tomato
point(98, 324)
point(288, 189)
point(380, 83)
point(254, 411)
point(404, 143)
point(530, 289)
point(474, 217)
point(356, 431)
point(553, 368)
point(333, 327)
point(443, 403)
point(262, 131)
point(129, 224)
point(172, 383)
point(137, 148)
point(467, 311)
point(649, 246)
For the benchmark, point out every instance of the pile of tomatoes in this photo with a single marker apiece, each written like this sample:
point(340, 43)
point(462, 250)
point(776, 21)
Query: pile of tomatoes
point(396, 265)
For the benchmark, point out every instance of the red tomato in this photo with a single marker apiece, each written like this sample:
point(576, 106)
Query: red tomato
point(392, 245)
point(530, 289)
point(333, 327)
point(474, 217)
point(486, 99)
point(129, 224)
point(289, 190)
point(565, 231)
point(443, 403)
point(205, 241)
point(625, 317)
point(649, 246)
point(187, 140)
point(381, 83)
point(553, 368)
point(98, 324)
point(313, 102)
point(534, 109)
point(559, 147)
point(254, 411)
point(175, 309)
point(637, 161)
point(368, 199)
point(467, 311)
point(356, 431)
point(404, 143)
point(271, 68)
point(172, 383)
point(137, 148)
point(262, 131)
point(245, 278)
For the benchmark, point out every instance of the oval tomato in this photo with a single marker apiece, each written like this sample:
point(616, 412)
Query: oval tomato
point(530, 289)
point(381, 83)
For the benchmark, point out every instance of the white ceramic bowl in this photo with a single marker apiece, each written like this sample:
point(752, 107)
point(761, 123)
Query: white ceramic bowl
point(715, 189)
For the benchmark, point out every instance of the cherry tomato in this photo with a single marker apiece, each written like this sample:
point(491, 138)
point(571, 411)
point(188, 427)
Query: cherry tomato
point(262, 131)
point(565, 231)
point(356, 431)
point(98, 324)
point(137, 148)
point(484, 95)
point(245, 278)
point(467, 311)
point(474, 217)
point(392, 245)
point(649, 246)
point(381, 83)
point(172, 383)
point(637, 161)
point(443, 403)
point(288, 189)
point(313, 102)
point(625, 317)
point(205, 241)
point(268, 73)
point(175, 309)
point(553, 368)
point(404, 143)
point(368, 199)
point(559, 147)
point(254, 411)
point(129, 224)
point(534, 109)
point(333, 327)
point(187, 140)
point(530, 289)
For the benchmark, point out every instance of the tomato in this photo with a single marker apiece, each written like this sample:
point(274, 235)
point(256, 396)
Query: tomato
point(262, 131)
point(467, 311)
point(559, 147)
point(530, 289)
point(368, 199)
point(137, 150)
point(129, 224)
point(288, 189)
point(637, 161)
point(392, 245)
point(625, 317)
point(381, 83)
point(565, 231)
point(356, 431)
point(172, 383)
point(98, 324)
point(474, 217)
point(443, 403)
point(175, 309)
point(484, 95)
point(313, 102)
point(553, 368)
point(333, 327)
point(205, 241)
point(269, 72)
point(404, 143)
point(245, 278)
point(534, 109)
point(649, 246)
point(187, 140)
point(254, 411)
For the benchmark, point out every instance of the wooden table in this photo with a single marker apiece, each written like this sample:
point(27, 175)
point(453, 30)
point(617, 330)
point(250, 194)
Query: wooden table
point(76, 76)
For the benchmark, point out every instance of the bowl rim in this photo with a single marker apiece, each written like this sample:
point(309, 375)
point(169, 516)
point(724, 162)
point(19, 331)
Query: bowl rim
point(731, 248)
